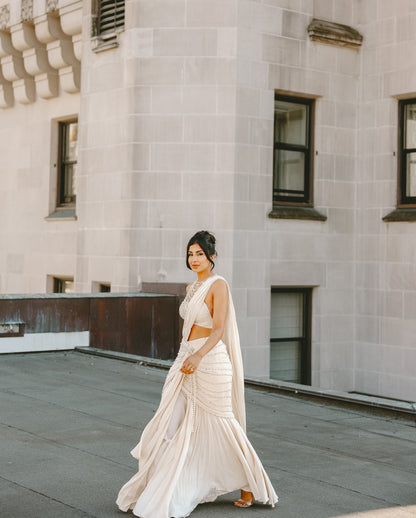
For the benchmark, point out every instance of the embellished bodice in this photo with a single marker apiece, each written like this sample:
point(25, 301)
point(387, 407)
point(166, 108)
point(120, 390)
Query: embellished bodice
point(203, 318)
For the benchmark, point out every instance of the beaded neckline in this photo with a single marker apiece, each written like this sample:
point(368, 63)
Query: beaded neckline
point(194, 288)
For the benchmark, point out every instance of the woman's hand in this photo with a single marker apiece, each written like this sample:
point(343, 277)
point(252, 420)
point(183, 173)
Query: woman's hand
point(191, 363)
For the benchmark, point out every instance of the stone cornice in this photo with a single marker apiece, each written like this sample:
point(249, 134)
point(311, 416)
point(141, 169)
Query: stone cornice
point(334, 34)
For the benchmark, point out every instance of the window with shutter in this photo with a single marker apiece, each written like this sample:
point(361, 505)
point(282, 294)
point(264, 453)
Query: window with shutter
point(290, 335)
point(110, 16)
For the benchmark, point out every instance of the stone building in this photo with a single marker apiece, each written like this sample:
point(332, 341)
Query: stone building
point(287, 127)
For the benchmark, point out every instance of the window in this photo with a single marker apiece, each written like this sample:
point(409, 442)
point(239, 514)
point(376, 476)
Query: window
point(68, 155)
point(292, 162)
point(290, 335)
point(8, 329)
point(406, 184)
point(110, 17)
point(61, 285)
point(407, 158)
point(100, 287)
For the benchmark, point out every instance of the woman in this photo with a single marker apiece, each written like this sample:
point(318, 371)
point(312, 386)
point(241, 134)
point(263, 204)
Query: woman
point(195, 447)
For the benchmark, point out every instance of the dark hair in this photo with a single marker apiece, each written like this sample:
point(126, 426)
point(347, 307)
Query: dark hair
point(206, 241)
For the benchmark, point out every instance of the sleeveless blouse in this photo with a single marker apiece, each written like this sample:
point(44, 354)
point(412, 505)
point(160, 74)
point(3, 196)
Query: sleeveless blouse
point(203, 317)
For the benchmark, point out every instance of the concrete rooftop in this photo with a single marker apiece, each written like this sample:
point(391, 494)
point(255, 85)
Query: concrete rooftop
point(68, 421)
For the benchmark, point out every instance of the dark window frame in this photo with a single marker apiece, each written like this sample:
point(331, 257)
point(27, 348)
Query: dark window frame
point(403, 201)
point(12, 331)
point(307, 150)
point(64, 199)
point(59, 283)
point(306, 338)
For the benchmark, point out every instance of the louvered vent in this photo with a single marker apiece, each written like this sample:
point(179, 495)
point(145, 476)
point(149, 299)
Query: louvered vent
point(111, 16)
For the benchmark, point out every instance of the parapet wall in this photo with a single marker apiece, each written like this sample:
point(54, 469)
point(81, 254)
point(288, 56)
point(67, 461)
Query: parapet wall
point(141, 324)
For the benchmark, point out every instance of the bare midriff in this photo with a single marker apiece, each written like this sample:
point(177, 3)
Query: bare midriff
point(198, 332)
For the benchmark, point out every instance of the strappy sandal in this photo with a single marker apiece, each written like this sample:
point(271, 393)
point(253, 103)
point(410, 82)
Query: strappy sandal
point(243, 503)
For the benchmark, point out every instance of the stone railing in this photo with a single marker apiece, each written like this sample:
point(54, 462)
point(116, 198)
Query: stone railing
point(40, 50)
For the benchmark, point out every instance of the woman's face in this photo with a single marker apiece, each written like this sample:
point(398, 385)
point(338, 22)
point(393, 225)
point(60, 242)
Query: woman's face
point(197, 259)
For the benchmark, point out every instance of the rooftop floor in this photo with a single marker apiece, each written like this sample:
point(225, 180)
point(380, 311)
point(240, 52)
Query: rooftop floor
point(68, 421)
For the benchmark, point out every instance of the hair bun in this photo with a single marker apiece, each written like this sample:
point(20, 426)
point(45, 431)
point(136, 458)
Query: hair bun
point(208, 236)
point(206, 241)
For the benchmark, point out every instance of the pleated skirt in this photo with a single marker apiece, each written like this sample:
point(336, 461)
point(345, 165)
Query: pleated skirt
point(194, 449)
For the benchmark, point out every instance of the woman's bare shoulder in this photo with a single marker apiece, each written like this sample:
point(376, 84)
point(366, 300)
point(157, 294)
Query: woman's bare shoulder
point(219, 287)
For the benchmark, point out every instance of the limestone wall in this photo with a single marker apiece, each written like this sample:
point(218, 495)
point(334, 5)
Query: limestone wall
point(176, 134)
point(385, 354)
point(40, 45)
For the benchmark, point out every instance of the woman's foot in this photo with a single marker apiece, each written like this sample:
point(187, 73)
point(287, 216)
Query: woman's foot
point(246, 500)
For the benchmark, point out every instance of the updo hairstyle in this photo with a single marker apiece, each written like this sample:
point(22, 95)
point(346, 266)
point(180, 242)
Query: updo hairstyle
point(206, 241)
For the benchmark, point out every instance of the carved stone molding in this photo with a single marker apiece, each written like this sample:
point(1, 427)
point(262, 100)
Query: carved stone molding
point(40, 56)
point(6, 93)
point(27, 10)
point(4, 16)
point(334, 34)
point(71, 18)
point(24, 91)
point(47, 85)
point(35, 59)
point(51, 5)
point(13, 68)
point(70, 79)
point(71, 23)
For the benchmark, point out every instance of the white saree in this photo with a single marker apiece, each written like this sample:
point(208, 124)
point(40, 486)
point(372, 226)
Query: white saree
point(195, 447)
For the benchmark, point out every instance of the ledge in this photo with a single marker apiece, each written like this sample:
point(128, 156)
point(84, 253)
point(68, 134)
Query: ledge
point(401, 215)
point(373, 404)
point(62, 215)
point(334, 34)
point(133, 358)
point(99, 295)
point(290, 212)
point(105, 42)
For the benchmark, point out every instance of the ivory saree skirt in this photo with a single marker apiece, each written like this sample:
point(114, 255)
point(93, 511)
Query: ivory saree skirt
point(193, 449)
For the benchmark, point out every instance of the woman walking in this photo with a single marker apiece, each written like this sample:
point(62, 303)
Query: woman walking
point(195, 448)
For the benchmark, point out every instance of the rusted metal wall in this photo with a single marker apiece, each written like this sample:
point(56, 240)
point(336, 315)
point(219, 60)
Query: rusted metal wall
point(172, 288)
point(46, 314)
point(142, 324)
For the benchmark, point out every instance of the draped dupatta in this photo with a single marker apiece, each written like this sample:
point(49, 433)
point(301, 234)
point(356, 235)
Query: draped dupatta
point(209, 453)
point(230, 338)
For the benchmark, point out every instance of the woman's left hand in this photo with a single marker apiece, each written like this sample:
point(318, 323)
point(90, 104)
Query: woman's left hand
point(191, 363)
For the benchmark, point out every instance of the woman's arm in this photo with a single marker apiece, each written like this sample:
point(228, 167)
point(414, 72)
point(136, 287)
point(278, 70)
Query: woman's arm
point(218, 298)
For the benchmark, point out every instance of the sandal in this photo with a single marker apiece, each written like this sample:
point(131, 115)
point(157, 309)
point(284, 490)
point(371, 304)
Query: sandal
point(243, 503)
